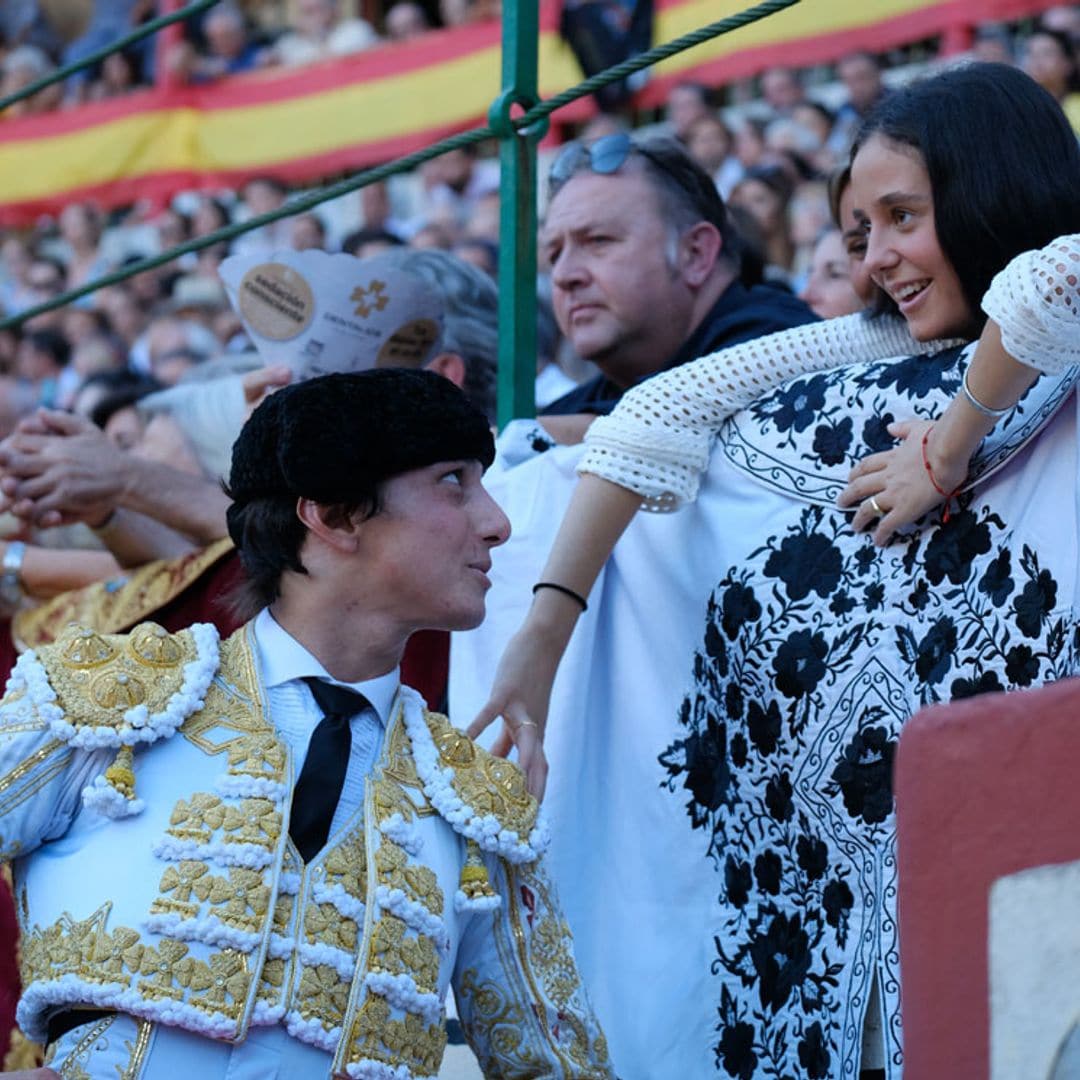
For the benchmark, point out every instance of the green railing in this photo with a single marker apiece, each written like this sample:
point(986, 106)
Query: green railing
point(517, 118)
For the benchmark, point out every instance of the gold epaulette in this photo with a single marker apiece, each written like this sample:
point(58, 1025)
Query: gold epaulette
point(99, 678)
point(489, 786)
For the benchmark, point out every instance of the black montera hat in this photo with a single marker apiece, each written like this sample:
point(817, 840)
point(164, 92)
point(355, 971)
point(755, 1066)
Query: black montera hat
point(330, 437)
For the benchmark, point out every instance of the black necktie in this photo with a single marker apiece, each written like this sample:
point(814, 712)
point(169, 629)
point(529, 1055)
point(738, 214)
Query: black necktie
point(323, 775)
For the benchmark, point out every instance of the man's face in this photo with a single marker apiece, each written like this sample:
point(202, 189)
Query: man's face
point(684, 107)
point(429, 546)
point(617, 296)
point(862, 80)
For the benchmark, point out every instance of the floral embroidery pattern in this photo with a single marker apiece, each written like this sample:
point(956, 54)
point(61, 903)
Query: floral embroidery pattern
point(816, 649)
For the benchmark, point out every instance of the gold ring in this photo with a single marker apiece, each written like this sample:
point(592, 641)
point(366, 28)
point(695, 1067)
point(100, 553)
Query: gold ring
point(877, 509)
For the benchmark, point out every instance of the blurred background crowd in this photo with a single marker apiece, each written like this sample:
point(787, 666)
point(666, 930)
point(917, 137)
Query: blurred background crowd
point(771, 143)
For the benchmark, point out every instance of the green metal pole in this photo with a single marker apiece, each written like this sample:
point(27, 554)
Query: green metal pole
point(517, 211)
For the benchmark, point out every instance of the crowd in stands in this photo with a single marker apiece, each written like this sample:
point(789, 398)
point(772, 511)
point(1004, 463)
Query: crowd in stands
point(771, 154)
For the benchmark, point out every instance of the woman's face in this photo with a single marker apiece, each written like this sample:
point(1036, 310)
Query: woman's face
point(895, 206)
point(1047, 64)
point(829, 291)
point(761, 203)
point(854, 238)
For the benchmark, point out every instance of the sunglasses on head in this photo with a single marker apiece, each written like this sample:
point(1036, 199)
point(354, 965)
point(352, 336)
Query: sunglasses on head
point(607, 155)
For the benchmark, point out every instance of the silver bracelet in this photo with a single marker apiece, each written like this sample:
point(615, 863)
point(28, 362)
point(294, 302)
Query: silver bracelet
point(975, 403)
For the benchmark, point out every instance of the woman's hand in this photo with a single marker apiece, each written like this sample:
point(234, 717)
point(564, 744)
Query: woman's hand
point(520, 695)
point(897, 482)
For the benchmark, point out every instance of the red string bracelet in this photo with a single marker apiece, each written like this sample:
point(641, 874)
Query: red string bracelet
point(947, 496)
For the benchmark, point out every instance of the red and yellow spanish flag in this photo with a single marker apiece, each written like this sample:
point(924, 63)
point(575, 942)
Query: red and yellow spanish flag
point(342, 115)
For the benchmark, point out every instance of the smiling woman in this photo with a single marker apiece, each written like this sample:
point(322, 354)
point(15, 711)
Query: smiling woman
point(773, 724)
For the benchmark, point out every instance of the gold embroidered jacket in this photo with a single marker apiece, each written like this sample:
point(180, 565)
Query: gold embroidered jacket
point(145, 797)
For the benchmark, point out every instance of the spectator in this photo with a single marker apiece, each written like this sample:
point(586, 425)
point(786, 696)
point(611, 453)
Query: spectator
point(80, 230)
point(263, 195)
point(376, 210)
point(319, 33)
point(1050, 59)
point(478, 252)
point(765, 193)
point(455, 181)
point(405, 21)
point(108, 400)
point(96, 355)
point(828, 289)
point(46, 279)
point(21, 67)
point(229, 48)
point(467, 12)
point(42, 361)
point(782, 90)
point(992, 44)
point(661, 287)
point(118, 74)
point(860, 73)
point(687, 103)
point(307, 232)
point(1065, 18)
point(710, 143)
point(370, 240)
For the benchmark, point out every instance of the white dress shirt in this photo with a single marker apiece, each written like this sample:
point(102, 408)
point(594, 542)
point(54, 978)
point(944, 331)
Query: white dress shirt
point(283, 664)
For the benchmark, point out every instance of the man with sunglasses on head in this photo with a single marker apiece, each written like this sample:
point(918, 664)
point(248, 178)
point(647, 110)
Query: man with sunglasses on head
point(645, 267)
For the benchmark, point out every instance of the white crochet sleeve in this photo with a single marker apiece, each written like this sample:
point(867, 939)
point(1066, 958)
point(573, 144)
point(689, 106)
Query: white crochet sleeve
point(1036, 302)
point(656, 441)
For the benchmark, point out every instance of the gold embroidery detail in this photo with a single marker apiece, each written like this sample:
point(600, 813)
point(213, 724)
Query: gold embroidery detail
point(243, 897)
point(409, 1042)
point(323, 996)
point(138, 1050)
point(27, 764)
point(419, 883)
point(496, 1024)
point(259, 755)
point(181, 881)
point(151, 644)
point(323, 923)
point(117, 690)
point(399, 764)
point(546, 956)
point(198, 818)
point(475, 883)
point(283, 910)
point(229, 971)
point(254, 821)
point(346, 865)
point(72, 1068)
point(272, 981)
point(97, 678)
point(486, 784)
point(81, 647)
point(394, 952)
point(112, 953)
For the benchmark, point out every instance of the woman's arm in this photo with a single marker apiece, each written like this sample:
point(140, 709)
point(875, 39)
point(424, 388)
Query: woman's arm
point(653, 447)
point(657, 441)
point(595, 519)
point(45, 572)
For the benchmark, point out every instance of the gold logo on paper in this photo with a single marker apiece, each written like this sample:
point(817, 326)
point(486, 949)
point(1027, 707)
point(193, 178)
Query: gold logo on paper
point(370, 298)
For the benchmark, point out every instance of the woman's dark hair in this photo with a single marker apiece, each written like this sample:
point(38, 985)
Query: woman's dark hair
point(1003, 163)
point(120, 389)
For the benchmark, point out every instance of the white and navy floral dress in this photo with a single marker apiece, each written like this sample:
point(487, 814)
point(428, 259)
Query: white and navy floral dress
point(724, 727)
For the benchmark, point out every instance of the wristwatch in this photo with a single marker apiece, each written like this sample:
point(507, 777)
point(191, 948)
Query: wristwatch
point(11, 591)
